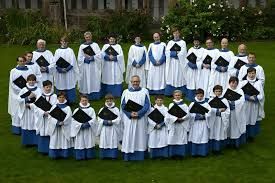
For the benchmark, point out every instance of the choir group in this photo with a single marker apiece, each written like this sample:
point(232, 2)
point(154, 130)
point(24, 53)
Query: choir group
point(226, 92)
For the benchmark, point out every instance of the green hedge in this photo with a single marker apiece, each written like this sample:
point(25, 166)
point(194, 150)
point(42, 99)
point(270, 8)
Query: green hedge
point(219, 19)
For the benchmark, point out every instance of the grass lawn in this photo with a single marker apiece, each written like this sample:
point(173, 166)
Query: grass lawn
point(254, 162)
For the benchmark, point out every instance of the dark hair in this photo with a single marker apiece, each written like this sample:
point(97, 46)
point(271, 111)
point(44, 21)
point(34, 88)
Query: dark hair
point(61, 93)
point(233, 79)
point(17, 59)
point(252, 53)
point(47, 83)
point(251, 69)
point(28, 52)
point(109, 96)
point(209, 38)
point(217, 87)
point(159, 97)
point(84, 96)
point(175, 29)
point(31, 77)
point(199, 91)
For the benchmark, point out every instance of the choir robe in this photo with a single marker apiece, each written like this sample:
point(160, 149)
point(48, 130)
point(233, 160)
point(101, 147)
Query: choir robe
point(260, 75)
point(191, 74)
point(137, 62)
point(254, 110)
point(199, 132)
point(109, 135)
point(27, 116)
point(178, 132)
point(112, 71)
point(60, 136)
point(13, 93)
point(42, 122)
point(90, 71)
point(218, 126)
point(66, 81)
point(237, 126)
point(175, 64)
point(36, 71)
point(134, 140)
point(231, 69)
point(84, 138)
point(204, 73)
point(217, 77)
point(156, 73)
point(47, 54)
point(158, 142)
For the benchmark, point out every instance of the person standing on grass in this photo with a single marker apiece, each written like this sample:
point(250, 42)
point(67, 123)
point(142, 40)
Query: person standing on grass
point(65, 70)
point(90, 63)
point(42, 118)
point(210, 55)
point(193, 63)
point(113, 68)
point(137, 62)
point(109, 129)
point(26, 111)
point(175, 64)
point(84, 132)
point(260, 75)
point(238, 61)
point(134, 118)
point(156, 66)
point(254, 103)
point(59, 130)
point(178, 127)
point(219, 68)
point(34, 67)
point(20, 72)
point(43, 58)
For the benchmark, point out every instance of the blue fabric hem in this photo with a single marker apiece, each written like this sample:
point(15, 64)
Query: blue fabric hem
point(70, 94)
point(82, 154)
point(115, 90)
point(253, 130)
point(16, 130)
point(199, 149)
point(43, 144)
point(108, 153)
point(156, 92)
point(159, 152)
point(29, 137)
point(136, 156)
point(169, 89)
point(178, 150)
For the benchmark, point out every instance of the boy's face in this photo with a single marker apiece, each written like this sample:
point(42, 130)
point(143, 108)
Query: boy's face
point(159, 101)
point(224, 43)
point(199, 96)
point(176, 34)
point(218, 93)
point(84, 101)
point(196, 43)
point(31, 82)
point(63, 43)
point(47, 89)
point(21, 62)
point(233, 84)
point(137, 40)
point(61, 99)
point(251, 75)
point(209, 43)
point(251, 59)
point(112, 40)
point(28, 56)
point(109, 102)
point(177, 96)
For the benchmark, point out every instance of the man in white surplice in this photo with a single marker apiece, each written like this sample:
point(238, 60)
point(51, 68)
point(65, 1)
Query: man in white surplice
point(134, 141)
